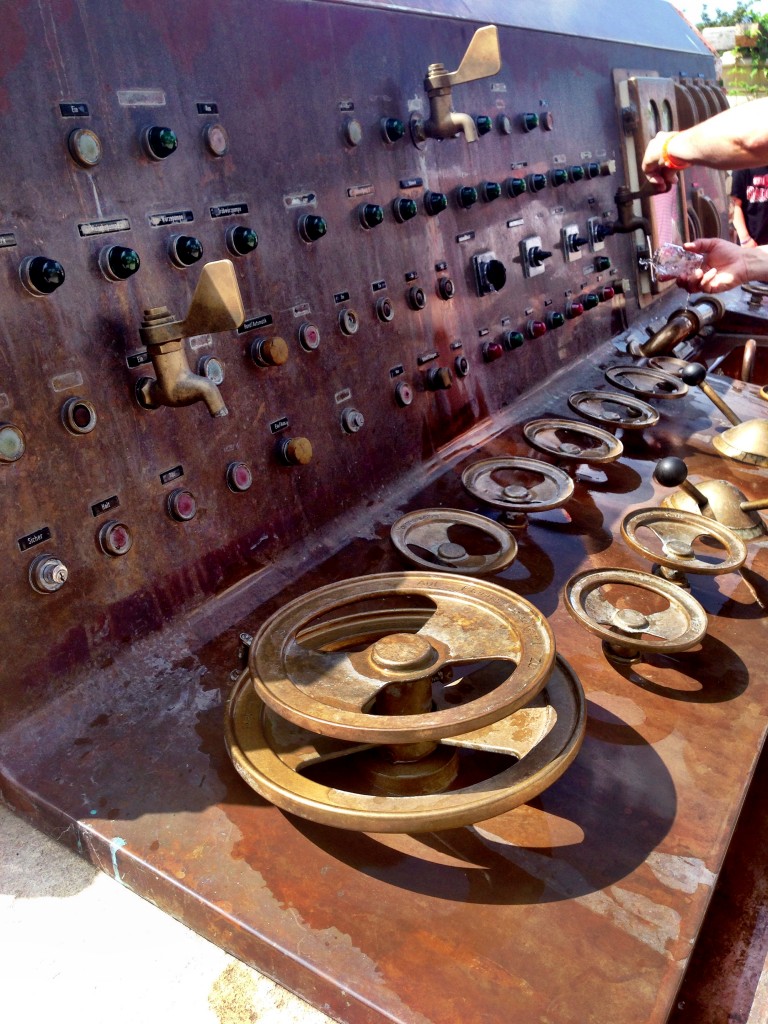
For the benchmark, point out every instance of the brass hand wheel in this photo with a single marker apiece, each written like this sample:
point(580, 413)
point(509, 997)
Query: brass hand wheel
point(451, 539)
point(650, 613)
point(518, 485)
point(410, 626)
point(677, 532)
point(668, 364)
point(646, 381)
point(613, 409)
point(532, 748)
point(572, 440)
point(381, 681)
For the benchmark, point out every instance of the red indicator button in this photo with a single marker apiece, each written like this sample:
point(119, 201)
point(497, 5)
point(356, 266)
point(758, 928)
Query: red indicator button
point(492, 350)
point(535, 328)
point(573, 309)
point(115, 538)
point(182, 505)
point(239, 477)
point(605, 293)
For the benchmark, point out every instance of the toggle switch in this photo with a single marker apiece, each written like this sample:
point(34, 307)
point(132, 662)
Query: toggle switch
point(41, 275)
point(158, 143)
point(532, 256)
point(571, 242)
point(185, 250)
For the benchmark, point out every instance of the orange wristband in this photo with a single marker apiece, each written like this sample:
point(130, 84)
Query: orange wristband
point(667, 160)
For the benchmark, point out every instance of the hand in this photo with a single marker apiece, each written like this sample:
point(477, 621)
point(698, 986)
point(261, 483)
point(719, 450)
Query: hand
point(725, 266)
point(662, 178)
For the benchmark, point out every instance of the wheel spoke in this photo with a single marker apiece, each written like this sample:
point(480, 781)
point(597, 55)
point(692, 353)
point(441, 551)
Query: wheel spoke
point(329, 677)
point(469, 633)
point(516, 735)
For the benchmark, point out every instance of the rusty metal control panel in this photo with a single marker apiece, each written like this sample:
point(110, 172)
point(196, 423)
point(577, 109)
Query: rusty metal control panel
point(327, 395)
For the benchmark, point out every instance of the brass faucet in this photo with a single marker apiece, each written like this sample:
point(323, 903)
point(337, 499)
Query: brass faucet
point(681, 325)
point(216, 306)
point(482, 59)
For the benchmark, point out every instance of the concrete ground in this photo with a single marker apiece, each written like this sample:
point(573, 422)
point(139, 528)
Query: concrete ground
point(75, 945)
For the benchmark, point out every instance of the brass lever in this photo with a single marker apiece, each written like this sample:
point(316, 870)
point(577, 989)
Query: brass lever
point(216, 306)
point(482, 59)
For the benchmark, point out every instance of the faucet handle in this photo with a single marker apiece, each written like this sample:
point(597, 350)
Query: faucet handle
point(216, 304)
point(482, 59)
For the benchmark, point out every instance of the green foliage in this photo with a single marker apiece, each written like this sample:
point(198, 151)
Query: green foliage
point(741, 13)
point(748, 77)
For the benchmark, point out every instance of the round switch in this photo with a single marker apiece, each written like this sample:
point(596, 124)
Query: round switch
point(537, 255)
point(466, 196)
point(602, 263)
point(309, 337)
point(446, 289)
point(504, 124)
point(529, 121)
point(370, 215)
point(605, 293)
point(558, 176)
point(484, 124)
point(269, 351)
point(435, 202)
point(589, 300)
point(535, 328)
point(392, 129)
point(490, 190)
point(242, 241)
point(78, 416)
point(352, 421)
point(573, 309)
point(575, 242)
point(385, 311)
point(439, 378)
point(493, 276)
point(181, 505)
point(12, 443)
point(404, 209)
point(416, 297)
point(536, 182)
point(312, 227)
point(212, 368)
point(41, 275)
point(216, 139)
point(84, 147)
point(295, 451)
point(349, 321)
point(239, 477)
point(185, 250)
point(576, 173)
point(118, 263)
point(516, 187)
point(353, 132)
point(115, 538)
point(555, 319)
point(592, 169)
point(403, 394)
point(158, 142)
point(461, 365)
point(47, 574)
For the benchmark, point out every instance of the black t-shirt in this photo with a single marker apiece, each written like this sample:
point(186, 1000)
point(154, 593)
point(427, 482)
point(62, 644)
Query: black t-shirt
point(751, 187)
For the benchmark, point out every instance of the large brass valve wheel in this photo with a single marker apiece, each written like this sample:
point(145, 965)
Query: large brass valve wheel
point(518, 486)
point(612, 409)
point(451, 539)
point(359, 697)
point(676, 533)
point(635, 612)
point(572, 440)
point(646, 381)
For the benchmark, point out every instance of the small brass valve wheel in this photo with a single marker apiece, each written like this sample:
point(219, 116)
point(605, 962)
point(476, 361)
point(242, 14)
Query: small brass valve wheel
point(518, 486)
point(715, 499)
point(611, 409)
point(668, 537)
point(572, 440)
point(622, 607)
point(645, 381)
point(668, 364)
point(451, 539)
point(746, 440)
point(404, 702)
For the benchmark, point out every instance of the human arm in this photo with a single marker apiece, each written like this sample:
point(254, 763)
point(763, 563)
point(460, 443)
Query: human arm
point(740, 224)
point(725, 265)
point(735, 138)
